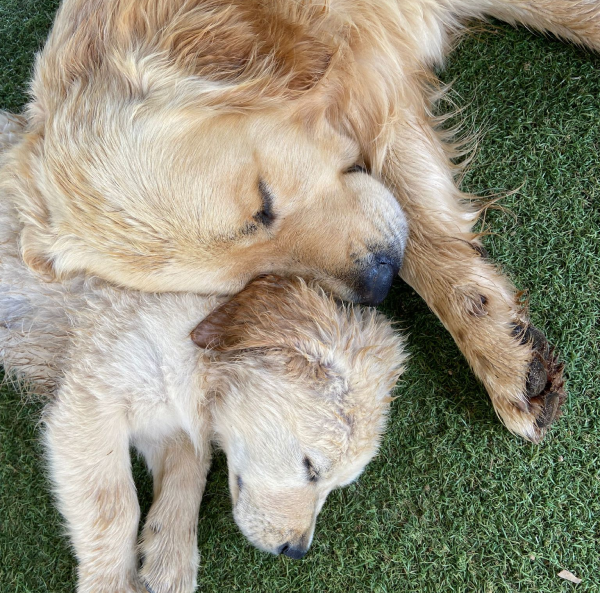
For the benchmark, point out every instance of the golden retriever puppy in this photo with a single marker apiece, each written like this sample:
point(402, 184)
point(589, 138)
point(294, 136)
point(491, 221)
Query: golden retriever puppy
point(189, 145)
point(293, 385)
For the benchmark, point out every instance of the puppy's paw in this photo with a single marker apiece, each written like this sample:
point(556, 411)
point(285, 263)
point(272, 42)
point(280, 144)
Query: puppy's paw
point(544, 392)
point(103, 583)
point(169, 558)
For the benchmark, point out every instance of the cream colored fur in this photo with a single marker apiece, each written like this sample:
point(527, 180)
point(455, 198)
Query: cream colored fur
point(295, 388)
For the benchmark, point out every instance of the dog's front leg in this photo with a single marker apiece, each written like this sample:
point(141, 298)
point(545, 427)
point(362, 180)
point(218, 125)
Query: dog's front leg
point(448, 267)
point(168, 547)
point(88, 449)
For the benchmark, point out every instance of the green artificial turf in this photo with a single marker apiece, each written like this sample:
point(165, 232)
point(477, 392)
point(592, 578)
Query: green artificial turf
point(453, 502)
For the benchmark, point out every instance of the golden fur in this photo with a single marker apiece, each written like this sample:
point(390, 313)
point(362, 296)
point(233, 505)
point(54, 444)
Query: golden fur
point(152, 124)
point(295, 388)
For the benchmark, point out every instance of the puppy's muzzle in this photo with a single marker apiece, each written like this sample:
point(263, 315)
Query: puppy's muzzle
point(377, 277)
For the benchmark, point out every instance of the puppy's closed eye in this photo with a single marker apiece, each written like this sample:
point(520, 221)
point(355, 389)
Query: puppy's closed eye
point(312, 472)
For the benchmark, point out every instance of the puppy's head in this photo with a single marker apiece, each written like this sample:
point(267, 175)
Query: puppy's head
point(302, 388)
point(164, 158)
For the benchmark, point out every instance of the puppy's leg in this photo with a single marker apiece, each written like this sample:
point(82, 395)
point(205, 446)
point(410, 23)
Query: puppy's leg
point(448, 267)
point(88, 450)
point(168, 547)
point(576, 21)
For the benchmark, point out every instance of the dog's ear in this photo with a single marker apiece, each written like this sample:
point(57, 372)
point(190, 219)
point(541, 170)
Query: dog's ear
point(252, 42)
point(247, 320)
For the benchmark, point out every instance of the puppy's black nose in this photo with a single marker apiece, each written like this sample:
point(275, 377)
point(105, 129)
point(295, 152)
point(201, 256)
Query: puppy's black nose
point(377, 278)
point(291, 552)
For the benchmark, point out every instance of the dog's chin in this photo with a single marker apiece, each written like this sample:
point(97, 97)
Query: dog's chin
point(340, 290)
point(357, 293)
point(369, 285)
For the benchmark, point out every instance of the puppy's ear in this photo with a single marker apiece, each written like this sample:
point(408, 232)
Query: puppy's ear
point(244, 321)
point(211, 332)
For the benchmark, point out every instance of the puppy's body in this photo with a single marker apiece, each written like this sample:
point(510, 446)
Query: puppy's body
point(295, 389)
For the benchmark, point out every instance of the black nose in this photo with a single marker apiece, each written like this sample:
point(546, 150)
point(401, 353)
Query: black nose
point(376, 280)
point(288, 550)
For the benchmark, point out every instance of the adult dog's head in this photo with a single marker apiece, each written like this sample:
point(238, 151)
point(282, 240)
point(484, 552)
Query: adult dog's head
point(192, 145)
point(301, 389)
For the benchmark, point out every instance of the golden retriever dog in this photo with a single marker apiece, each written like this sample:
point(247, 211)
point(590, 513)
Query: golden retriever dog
point(190, 145)
point(294, 386)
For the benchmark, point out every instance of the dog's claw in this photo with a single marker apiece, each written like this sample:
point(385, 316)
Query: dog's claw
point(538, 340)
point(537, 378)
point(550, 409)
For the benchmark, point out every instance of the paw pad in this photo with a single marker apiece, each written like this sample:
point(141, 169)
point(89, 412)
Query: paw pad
point(545, 384)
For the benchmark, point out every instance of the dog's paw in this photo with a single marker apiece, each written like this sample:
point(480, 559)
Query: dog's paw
point(544, 392)
point(169, 559)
